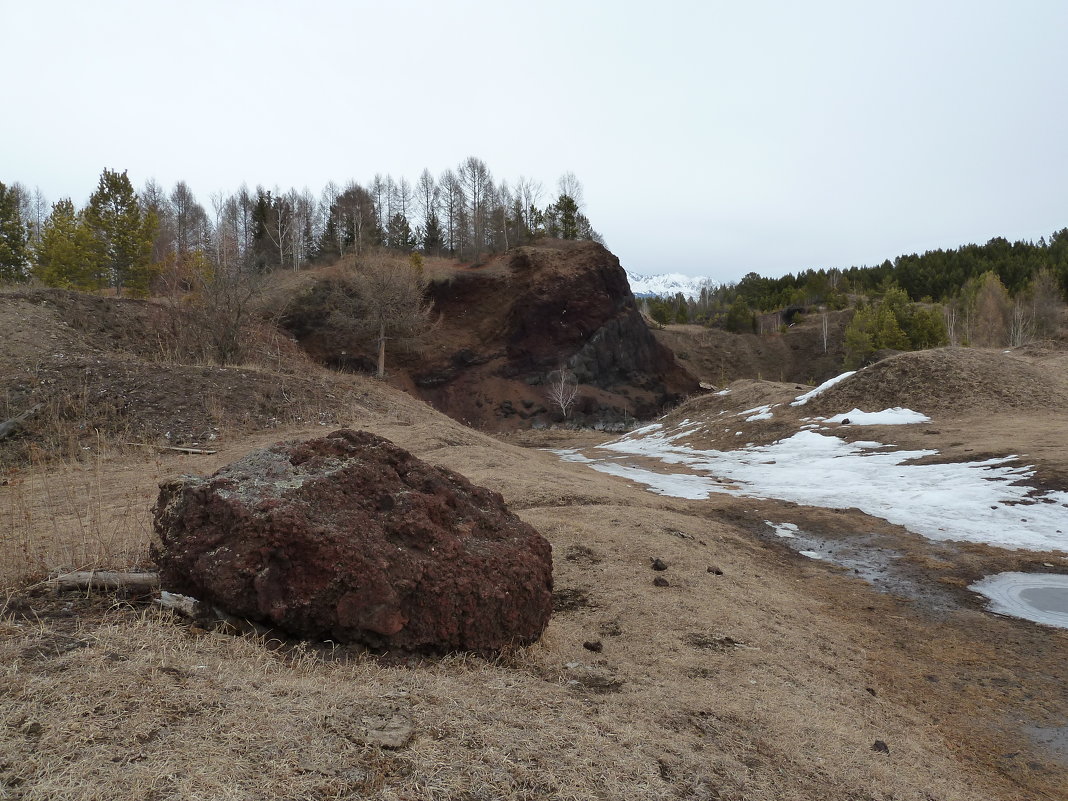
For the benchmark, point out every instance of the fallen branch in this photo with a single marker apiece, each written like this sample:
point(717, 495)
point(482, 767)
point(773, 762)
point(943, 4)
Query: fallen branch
point(85, 580)
point(9, 427)
point(171, 448)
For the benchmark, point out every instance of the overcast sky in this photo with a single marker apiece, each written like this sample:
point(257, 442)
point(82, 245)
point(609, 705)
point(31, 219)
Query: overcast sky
point(712, 138)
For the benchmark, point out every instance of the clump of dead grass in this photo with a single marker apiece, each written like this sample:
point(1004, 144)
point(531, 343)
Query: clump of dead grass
point(74, 515)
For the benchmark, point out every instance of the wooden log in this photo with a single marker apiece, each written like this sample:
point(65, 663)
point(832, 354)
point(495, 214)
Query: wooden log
point(171, 448)
point(85, 580)
point(9, 427)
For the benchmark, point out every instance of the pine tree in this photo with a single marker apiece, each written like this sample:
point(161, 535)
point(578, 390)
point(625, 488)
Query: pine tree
point(433, 239)
point(123, 233)
point(568, 213)
point(399, 234)
point(12, 237)
point(67, 254)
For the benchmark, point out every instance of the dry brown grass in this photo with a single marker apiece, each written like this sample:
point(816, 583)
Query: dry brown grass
point(769, 681)
point(75, 515)
point(124, 702)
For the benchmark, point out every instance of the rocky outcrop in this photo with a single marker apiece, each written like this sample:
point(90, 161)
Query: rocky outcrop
point(505, 326)
point(353, 539)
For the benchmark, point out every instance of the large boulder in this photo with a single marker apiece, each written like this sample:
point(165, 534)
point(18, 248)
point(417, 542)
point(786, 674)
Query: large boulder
point(351, 538)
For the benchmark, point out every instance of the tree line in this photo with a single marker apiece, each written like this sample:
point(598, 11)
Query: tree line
point(130, 240)
point(996, 294)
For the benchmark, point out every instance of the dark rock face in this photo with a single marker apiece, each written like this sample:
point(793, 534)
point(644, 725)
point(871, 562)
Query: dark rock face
point(505, 327)
point(353, 539)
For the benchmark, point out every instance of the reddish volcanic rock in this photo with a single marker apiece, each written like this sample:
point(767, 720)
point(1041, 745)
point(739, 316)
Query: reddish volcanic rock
point(503, 328)
point(353, 539)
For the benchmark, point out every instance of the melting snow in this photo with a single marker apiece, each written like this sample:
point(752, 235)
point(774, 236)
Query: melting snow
point(758, 413)
point(801, 400)
point(976, 502)
point(570, 455)
point(787, 530)
point(887, 417)
point(1041, 597)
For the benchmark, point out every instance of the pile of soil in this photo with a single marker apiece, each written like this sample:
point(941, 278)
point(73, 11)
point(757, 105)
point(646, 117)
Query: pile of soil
point(93, 369)
point(502, 331)
point(947, 379)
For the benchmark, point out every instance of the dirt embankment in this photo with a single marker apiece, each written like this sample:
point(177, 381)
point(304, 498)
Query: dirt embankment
point(803, 352)
point(103, 371)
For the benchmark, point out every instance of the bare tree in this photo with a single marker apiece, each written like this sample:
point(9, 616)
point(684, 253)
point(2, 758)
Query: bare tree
point(429, 194)
point(528, 195)
point(563, 390)
point(453, 200)
point(571, 186)
point(993, 313)
point(227, 249)
point(825, 331)
point(192, 229)
point(382, 299)
point(477, 183)
point(379, 189)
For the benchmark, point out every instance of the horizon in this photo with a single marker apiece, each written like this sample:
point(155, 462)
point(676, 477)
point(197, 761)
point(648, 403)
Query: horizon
point(711, 141)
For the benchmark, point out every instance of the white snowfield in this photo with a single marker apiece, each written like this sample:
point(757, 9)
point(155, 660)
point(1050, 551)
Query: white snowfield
point(973, 502)
point(668, 285)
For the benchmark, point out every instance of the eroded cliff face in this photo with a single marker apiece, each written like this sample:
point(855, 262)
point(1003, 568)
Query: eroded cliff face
point(505, 327)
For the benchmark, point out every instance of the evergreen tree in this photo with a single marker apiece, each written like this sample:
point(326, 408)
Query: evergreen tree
point(740, 318)
point(859, 342)
point(122, 232)
point(67, 254)
point(399, 234)
point(433, 238)
point(12, 237)
point(568, 212)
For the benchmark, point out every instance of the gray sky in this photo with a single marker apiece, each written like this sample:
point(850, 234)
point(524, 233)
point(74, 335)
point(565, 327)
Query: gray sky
point(712, 138)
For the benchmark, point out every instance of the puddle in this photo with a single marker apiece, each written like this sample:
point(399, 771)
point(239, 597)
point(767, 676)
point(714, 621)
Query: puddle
point(864, 557)
point(1053, 739)
point(1038, 597)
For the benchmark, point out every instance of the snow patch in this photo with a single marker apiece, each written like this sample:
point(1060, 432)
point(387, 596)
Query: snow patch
point(758, 413)
point(801, 400)
point(896, 416)
point(987, 501)
point(785, 530)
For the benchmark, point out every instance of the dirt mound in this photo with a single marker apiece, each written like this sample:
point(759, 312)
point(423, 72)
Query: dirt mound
point(94, 369)
point(952, 379)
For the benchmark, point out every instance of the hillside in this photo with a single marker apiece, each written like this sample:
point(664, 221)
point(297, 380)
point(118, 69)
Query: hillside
point(755, 673)
point(503, 328)
point(717, 357)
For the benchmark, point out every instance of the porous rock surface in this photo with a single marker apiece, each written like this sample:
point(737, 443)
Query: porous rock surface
point(351, 538)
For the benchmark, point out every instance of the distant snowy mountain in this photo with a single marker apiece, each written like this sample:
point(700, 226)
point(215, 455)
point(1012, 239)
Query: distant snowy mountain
point(668, 285)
